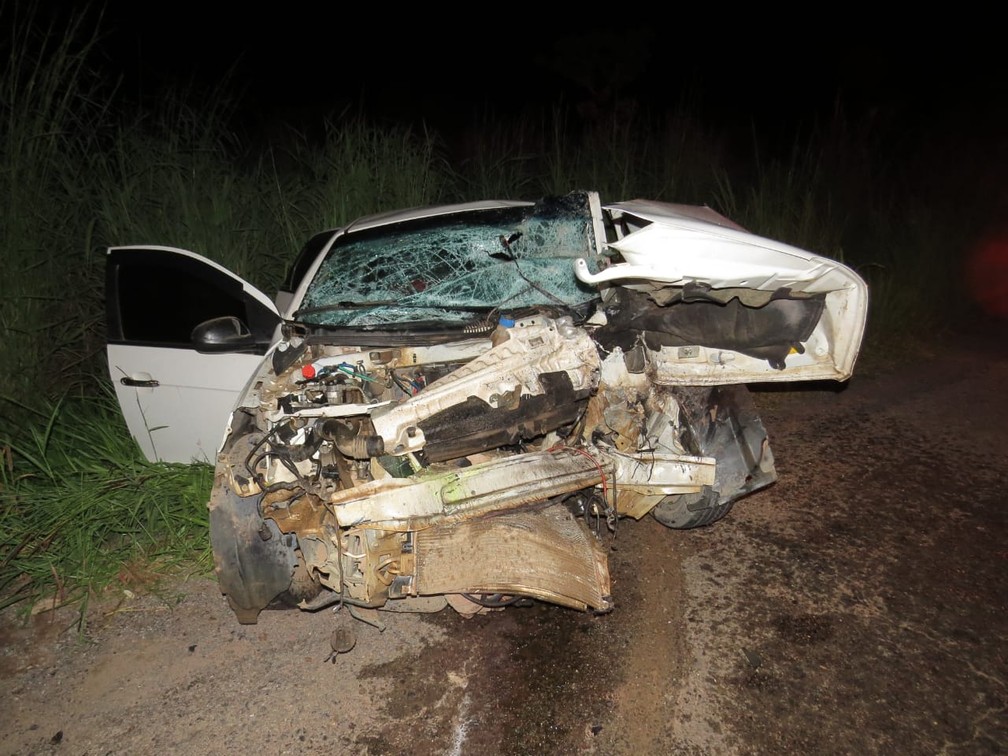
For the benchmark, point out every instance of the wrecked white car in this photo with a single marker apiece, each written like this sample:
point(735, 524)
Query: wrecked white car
point(459, 403)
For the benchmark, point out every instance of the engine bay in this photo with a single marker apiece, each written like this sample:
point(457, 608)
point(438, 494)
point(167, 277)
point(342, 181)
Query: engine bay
point(480, 470)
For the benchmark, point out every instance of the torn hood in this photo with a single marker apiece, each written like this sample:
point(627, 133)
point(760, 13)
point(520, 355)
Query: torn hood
point(811, 309)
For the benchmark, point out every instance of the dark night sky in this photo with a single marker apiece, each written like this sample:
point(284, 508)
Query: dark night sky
point(292, 65)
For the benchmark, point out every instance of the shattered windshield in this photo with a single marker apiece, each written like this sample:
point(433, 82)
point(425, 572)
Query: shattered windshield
point(450, 269)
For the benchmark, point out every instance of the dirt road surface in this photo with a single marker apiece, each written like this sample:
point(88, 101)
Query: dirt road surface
point(858, 606)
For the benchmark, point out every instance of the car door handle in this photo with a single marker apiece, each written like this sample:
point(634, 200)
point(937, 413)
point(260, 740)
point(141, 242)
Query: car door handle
point(149, 383)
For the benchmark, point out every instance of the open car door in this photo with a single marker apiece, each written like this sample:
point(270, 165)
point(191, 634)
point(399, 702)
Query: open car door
point(184, 337)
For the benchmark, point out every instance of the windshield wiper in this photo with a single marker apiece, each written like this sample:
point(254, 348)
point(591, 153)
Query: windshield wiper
point(420, 333)
point(389, 303)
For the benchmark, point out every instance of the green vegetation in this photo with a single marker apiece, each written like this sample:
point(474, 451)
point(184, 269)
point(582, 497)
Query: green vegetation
point(79, 172)
point(80, 507)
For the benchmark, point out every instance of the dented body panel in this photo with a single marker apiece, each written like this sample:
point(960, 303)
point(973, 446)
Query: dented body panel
point(462, 402)
point(812, 309)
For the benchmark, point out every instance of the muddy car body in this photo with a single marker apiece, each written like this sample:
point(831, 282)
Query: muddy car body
point(458, 404)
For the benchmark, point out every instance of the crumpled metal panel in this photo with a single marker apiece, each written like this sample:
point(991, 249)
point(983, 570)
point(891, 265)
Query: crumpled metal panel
point(544, 553)
point(515, 365)
point(508, 483)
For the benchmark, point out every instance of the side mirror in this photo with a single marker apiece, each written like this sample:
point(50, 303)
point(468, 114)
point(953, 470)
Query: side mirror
point(224, 334)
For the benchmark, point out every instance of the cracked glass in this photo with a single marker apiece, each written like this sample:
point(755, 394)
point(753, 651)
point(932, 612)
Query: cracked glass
point(451, 269)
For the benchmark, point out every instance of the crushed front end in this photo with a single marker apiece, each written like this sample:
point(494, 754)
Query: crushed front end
point(413, 468)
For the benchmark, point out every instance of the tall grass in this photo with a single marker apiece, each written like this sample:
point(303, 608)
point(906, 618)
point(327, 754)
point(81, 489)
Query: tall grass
point(79, 503)
point(171, 179)
point(498, 157)
point(792, 200)
point(353, 169)
point(632, 153)
point(48, 111)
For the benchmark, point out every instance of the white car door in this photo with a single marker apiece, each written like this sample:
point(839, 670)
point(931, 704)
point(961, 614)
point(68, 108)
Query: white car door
point(184, 336)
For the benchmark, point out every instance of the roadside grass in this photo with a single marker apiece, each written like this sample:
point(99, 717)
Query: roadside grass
point(354, 168)
point(49, 105)
point(631, 154)
point(171, 178)
point(79, 506)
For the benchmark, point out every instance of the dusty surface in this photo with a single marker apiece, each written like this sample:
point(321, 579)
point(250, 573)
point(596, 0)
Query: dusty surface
point(860, 605)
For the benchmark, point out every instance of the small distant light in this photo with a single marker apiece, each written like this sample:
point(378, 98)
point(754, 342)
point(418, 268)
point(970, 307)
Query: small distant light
point(987, 273)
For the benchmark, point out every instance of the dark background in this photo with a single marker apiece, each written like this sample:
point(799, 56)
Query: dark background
point(757, 75)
